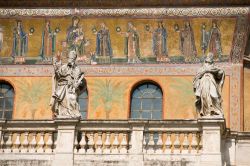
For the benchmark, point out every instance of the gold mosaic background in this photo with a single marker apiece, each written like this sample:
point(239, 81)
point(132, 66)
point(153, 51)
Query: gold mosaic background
point(226, 26)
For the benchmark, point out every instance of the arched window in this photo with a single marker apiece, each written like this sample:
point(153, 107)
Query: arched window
point(146, 102)
point(83, 101)
point(6, 100)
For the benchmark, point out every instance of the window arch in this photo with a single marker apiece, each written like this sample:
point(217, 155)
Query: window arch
point(83, 101)
point(146, 102)
point(6, 100)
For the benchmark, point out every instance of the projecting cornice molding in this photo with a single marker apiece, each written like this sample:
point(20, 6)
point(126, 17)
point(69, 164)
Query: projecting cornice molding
point(131, 12)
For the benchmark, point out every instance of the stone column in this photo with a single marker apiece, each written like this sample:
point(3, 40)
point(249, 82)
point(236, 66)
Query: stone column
point(211, 137)
point(64, 153)
point(136, 141)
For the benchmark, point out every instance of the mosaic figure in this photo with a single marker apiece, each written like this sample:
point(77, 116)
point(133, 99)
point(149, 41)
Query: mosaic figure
point(132, 48)
point(103, 42)
point(214, 41)
point(207, 85)
point(187, 43)
point(48, 41)
point(160, 41)
point(20, 40)
point(76, 38)
point(68, 80)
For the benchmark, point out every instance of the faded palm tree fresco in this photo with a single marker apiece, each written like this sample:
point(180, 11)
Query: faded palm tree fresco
point(34, 94)
point(108, 93)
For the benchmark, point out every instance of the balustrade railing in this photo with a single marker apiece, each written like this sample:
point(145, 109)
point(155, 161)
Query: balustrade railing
point(28, 137)
point(102, 137)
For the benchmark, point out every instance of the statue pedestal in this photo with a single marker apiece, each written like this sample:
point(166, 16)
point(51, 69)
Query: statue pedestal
point(211, 141)
point(64, 154)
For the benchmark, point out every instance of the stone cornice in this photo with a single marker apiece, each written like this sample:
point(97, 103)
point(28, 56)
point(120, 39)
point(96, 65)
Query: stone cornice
point(110, 70)
point(130, 12)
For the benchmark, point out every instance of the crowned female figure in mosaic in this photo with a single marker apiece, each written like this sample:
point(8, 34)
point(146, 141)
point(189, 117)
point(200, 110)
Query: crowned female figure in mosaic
point(67, 83)
point(103, 42)
point(48, 41)
point(187, 43)
point(132, 48)
point(214, 41)
point(75, 37)
point(20, 40)
point(207, 85)
point(160, 41)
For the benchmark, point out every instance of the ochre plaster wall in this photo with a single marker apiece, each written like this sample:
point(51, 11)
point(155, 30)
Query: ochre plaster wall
point(109, 96)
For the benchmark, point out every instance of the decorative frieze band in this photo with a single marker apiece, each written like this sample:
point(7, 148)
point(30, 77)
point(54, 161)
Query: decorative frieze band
point(131, 12)
point(125, 70)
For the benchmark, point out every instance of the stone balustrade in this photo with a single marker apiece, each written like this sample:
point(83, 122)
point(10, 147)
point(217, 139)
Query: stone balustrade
point(118, 142)
point(28, 137)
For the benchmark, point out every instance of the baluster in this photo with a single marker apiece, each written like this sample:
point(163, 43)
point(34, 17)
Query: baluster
point(17, 143)
point(49, 144)
point(177, 143)
point(159, 144)
point(90, 143)
point(200, 142)
point(99, 143)
point(54, 140)
point(144, 143)
point(25, 143)
point(107, 143)
point(185, 144)
point(115, 143)
point(40, 144)
point(2, 143)
point(8, 143)
point(82, 143)
point(194, 143)
point(151, 143)
point(124, 144)
point(76, 143)
point(168, 143)
point(32, 144)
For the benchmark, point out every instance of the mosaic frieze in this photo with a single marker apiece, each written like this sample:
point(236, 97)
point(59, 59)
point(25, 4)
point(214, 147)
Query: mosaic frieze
point(115, 40)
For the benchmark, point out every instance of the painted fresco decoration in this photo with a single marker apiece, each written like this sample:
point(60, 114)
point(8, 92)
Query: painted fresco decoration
point(116, 40)
point(187, 43)
point(48, 45)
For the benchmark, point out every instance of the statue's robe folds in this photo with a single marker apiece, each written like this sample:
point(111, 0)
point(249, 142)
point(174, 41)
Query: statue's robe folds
point(48, 43)
point(20, 42)
point(160, 42)
point(207, 87)
point(103, 43)
point(65, 96)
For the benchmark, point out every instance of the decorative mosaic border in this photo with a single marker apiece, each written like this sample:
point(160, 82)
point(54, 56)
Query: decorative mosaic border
point(131, 12)
point(109, 71)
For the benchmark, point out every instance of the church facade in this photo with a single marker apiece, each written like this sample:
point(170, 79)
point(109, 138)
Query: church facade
point(137, 105)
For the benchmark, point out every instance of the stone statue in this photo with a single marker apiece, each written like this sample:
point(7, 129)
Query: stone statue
point(208, 84)
point(68, 82)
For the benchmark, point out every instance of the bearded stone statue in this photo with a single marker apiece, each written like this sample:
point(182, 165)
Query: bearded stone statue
point(207, 85)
